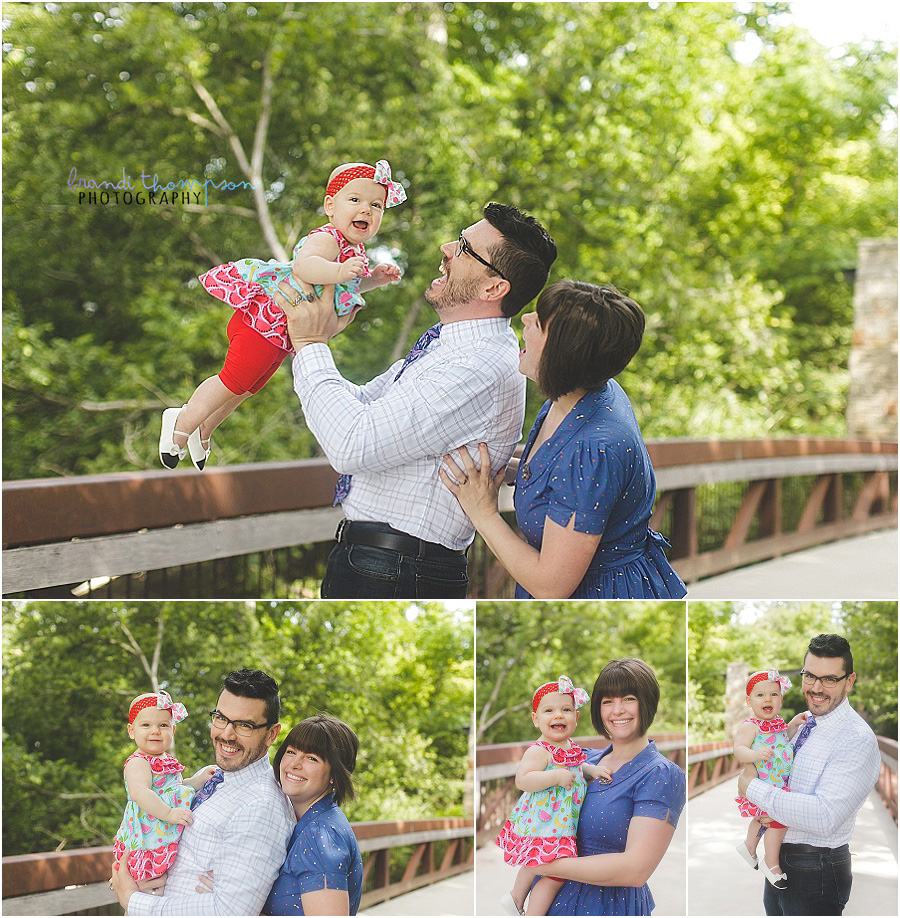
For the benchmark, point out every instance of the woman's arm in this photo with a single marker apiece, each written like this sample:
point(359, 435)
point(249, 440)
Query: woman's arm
point(554, 571)
point(647, 842)
point(326, 902)
point(137, 780)
point(743, 738)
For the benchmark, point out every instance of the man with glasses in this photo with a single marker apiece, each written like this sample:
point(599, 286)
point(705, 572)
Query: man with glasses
point(404, 534)
point(242, 821)
point(836, 764)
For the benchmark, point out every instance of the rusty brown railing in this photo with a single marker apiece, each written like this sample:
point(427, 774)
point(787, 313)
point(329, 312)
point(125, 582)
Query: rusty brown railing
point(398, 857)
point(722, 504)
point(495, 770)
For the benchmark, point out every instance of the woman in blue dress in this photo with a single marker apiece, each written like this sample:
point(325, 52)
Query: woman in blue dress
point(585, 486)
point(625, 826)
point(322, 873)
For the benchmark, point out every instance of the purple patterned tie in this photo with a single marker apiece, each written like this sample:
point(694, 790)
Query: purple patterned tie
point(208, 788)
point(342, 488)
point(802, 737)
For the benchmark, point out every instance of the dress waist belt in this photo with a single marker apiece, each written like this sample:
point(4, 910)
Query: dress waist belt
point(610, 558)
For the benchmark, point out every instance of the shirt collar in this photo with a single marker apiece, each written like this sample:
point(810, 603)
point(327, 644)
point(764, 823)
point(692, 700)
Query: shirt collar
point(468, 330)
point(248, 774)
point(835, 717)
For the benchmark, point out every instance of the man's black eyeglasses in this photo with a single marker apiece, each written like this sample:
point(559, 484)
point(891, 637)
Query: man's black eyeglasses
point(463, 248)
point(810, 679)
point(241, 727)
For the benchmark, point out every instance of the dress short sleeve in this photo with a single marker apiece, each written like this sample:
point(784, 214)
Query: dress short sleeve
point(319, 858)
point(660, 794)
point(584, 482)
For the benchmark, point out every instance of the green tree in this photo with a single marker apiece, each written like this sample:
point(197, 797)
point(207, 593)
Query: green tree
point(400, 675)
point(524, 644)
point(776, 634)
point(726, 196)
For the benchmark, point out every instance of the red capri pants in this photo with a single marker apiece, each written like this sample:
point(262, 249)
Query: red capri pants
point(251, 359)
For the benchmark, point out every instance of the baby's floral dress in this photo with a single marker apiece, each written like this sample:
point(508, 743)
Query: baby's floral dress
point(542, 826)
point(152, 842)
point(247, 286)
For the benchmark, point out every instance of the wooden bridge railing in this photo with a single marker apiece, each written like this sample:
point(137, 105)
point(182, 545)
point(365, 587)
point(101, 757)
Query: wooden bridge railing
point(722, 504)
point(710, 764)
point(398, 857)
point(495, 769)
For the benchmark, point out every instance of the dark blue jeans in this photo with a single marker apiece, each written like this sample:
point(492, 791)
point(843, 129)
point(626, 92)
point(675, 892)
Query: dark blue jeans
point(364, 572)
point(818, 883)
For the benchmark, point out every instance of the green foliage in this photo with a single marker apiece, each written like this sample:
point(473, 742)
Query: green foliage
point(727, 197)
point(521, 645)
point(400, 675)
point(776, 634)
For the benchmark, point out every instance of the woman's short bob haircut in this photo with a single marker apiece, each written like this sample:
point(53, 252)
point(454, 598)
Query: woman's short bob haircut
point(330, 739)
point(592, 334)
point(627, 676)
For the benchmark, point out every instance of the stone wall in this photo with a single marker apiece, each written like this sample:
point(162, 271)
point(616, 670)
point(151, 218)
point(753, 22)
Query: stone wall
point(872, 400)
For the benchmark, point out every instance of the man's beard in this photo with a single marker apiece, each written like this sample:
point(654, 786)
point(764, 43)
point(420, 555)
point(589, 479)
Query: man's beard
point(452, 295)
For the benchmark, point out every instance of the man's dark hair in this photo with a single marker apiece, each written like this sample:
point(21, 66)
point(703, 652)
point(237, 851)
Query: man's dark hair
point(331, 740)
point(523, 258)
point(832, 645)
point(253, 683)
point(593, 331)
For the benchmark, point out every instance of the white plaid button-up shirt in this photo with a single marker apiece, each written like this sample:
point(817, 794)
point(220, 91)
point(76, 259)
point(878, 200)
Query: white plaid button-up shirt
point(391, 436)
point(241, 834)
point(831, 777)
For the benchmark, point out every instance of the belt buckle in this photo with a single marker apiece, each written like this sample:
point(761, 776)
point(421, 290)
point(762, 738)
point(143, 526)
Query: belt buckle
point(339, 532)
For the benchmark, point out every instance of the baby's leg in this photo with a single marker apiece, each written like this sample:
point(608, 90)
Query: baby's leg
point(519, 892)
point(213, 421)
point(752, 840)
point(211, 398)
point(542, 896)
point(772, 846)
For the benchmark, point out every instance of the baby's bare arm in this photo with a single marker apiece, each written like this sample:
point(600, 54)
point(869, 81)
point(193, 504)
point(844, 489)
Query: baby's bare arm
point(596, 771)
point(315, 262)
point(743, 739)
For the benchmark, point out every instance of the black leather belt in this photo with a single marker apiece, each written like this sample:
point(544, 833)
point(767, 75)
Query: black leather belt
point(380, 535)
point(815, 849)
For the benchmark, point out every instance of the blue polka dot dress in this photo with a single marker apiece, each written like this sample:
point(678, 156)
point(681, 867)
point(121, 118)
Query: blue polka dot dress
point(322, 854)
point(649, 785)
point(595, 466)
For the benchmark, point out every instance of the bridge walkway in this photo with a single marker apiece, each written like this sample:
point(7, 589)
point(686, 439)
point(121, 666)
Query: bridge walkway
point(494, 878)
point(864, 567)
point(720, 883)
point(453, 896)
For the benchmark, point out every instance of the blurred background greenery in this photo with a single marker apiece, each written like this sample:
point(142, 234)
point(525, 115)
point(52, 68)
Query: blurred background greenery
point(521, 645)
point(726, 192)
point(776, 634)
point(399, 674)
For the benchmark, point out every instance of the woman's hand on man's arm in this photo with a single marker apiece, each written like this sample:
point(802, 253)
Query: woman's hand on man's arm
point(565, 554)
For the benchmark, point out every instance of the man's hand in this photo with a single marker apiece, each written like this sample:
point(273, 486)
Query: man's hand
point(122, 883)
point(310, 321)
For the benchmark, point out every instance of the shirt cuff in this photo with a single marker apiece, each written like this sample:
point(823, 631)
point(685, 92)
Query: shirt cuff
point(760, 793)
point(309, 360)
point(142, 903)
